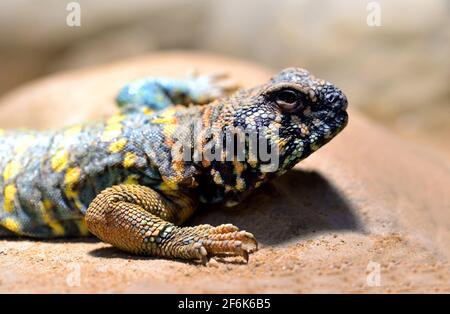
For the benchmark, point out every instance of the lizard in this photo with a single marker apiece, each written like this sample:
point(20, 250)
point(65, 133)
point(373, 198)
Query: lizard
point(127, 180)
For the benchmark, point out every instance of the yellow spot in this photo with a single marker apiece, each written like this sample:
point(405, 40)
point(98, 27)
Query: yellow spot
point(11, 224)
point(2, 132)
point(57, 228)
point(82, 227)
point(23, 144)
point(129, 160)
point(59, 160)
point(72, 176)
point(72, 131)
point(111, 132)
point(73, 195)
point(48, 205)
point(166, 117)
point(46, 209)
point(168, 185)
point(132, 179)
point(10, 194)
point(171, 120)
point(115, 119)
point(169, 130)
point(147, 111)
point(117, 146)
point(113, 128)
point(11, 170)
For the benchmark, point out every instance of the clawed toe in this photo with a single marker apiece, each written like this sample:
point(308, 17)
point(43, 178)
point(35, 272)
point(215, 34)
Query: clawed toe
point(218, 75)
point(215, 85)
point(204, 241)
point(229, 240)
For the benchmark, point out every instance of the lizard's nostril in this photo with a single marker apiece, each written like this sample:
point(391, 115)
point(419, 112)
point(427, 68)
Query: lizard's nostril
point(337, 100)
point(331, 97)
point(344, 102)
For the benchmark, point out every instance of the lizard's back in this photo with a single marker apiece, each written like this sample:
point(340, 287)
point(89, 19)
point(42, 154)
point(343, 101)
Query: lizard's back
point(48, 179)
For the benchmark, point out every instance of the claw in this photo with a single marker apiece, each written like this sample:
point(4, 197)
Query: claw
point(193, 72)
point(212, 86)
point(218, 75)
point(244, 254)
point(228, 84)
point(224, 239)
point(204, 260)
point(204, 255)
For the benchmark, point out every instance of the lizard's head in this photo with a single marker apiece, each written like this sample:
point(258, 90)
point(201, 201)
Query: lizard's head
point(304, 112)
point(295, 113)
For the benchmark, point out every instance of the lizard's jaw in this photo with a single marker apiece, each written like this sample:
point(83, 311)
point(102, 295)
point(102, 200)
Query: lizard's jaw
point(319, 130)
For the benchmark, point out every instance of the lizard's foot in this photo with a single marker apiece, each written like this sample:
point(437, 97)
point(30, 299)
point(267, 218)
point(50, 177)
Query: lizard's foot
point(128, 217)
point(204, 241)
point(206, 88)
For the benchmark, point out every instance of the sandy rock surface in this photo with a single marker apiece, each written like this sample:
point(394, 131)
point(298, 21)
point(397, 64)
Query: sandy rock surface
point(368, 203)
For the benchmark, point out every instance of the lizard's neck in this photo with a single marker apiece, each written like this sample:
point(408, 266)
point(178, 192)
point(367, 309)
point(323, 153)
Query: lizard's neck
point(200, 156)
point(225, 172)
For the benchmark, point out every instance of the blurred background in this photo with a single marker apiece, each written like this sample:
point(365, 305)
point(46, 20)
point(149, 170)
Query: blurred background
point(397, 74)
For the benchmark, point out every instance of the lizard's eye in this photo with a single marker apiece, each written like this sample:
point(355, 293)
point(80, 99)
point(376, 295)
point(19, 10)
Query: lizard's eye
point(288, 100)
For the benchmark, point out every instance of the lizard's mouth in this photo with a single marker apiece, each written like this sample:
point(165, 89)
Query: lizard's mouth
point(331, 123)
point(335, 115)
point(341, 120)
point(337, 122)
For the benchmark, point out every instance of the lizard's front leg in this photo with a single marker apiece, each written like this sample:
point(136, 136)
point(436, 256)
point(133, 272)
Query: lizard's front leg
point(136, 219)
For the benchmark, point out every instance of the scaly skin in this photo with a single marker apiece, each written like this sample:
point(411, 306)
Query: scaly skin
point(134, 179)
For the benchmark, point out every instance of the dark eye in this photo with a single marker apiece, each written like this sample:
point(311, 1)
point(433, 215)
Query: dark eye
point(287, 99)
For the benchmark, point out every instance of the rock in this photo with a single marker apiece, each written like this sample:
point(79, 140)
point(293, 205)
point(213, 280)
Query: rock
point(367, 200)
